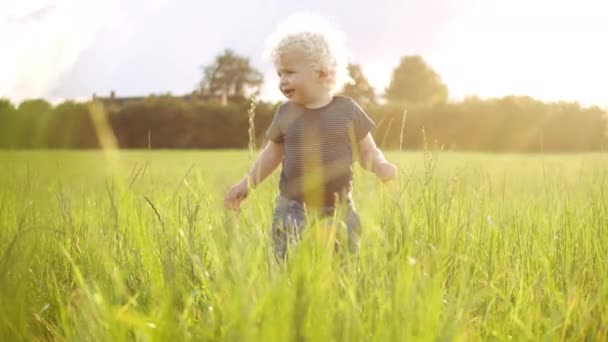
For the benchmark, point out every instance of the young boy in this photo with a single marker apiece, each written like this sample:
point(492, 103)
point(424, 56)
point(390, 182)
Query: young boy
point(316, 136)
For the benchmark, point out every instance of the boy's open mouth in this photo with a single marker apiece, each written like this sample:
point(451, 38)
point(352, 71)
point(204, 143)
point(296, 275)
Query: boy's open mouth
point(288, 92)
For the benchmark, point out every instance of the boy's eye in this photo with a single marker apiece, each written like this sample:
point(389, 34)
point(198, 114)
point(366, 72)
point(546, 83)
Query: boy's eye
point(285, 72)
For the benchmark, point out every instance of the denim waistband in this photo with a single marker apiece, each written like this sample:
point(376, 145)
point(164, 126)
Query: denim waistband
point(346, 201)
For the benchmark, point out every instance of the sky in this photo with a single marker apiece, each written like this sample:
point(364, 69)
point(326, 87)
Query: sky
point(69, 49)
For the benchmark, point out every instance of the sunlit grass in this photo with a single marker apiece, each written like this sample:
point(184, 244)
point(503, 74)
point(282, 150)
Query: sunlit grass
point(461, 247)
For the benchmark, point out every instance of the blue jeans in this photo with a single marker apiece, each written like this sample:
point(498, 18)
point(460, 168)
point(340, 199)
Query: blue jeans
point(289, 221)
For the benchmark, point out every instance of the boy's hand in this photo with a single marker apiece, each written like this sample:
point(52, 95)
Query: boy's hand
point(385, 171)
point(236, 195)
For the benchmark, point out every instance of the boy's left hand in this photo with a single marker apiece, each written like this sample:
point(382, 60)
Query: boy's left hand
point(385, 171)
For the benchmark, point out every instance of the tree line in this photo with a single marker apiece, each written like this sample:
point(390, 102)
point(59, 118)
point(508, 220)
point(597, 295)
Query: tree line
point(415, 114)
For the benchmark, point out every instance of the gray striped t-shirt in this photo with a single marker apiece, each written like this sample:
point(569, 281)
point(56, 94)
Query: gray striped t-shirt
point(319, 147)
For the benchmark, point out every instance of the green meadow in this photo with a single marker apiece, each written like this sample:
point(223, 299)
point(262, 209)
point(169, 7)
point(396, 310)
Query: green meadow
point(117, 245)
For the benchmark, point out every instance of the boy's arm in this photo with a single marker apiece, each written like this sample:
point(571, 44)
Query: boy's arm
point(265, 163)
point(372, 159)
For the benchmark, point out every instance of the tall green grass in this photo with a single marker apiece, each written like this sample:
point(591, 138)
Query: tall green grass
point(136, 246)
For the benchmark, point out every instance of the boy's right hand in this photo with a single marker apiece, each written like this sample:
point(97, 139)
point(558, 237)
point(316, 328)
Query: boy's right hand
point(236, 195)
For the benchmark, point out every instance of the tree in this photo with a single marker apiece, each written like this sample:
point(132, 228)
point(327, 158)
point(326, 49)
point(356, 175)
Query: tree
point(72, 126)
point(32, 123)
point(230, 75)
point(414, 82)
point(361, 91)
point(7, 122)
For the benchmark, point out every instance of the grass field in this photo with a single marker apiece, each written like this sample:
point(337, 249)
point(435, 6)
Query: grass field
point(136, 246)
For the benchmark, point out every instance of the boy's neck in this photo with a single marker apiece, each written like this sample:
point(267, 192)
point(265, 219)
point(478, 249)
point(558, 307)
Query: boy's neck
point(321, 101)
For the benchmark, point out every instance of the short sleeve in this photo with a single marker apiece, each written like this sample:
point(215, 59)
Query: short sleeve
point(275, 131)
point(362, 123)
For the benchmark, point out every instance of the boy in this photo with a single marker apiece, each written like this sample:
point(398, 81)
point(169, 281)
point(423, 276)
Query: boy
point(316, 136)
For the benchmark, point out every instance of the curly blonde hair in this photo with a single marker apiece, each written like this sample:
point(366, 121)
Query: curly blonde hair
point(322, 45)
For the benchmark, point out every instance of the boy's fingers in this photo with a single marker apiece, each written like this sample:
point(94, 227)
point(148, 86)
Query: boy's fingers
point(232, 207)
point(229, 202)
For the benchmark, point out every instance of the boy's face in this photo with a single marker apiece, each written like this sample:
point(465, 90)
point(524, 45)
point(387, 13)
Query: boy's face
point(298, 81)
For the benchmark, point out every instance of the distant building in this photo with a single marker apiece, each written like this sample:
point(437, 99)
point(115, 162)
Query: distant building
point(116, 102)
